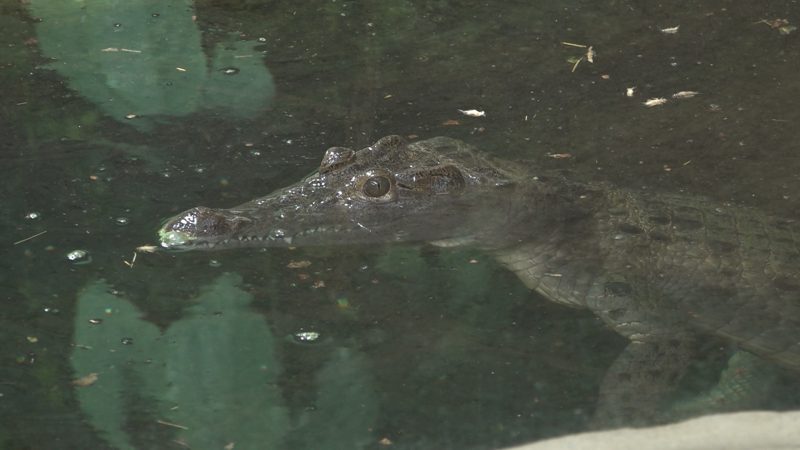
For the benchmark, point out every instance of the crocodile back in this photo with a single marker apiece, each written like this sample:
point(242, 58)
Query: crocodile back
point(656, 267)
point(730, 271)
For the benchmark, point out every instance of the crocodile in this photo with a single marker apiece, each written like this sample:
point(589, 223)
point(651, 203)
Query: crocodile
point(662, 270)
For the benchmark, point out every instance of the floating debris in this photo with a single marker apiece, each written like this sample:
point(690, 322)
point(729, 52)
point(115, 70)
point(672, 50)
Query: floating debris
point(121, 221)
point(115, 49)
point(472, 112)
point(79, 257)
point(170, 424)
point(782, 25)
point(630, 91)
point(147, 248)
point(132, 261)
point(685, 94)
point(33, 215)
point(298, 264)
point(577, 61)
point(306, 336)
point(655, 102)
point(671, 30)
point(589, 55)
point(559, 155)
point(774, 23)
point(30, 237)
point(86, 380)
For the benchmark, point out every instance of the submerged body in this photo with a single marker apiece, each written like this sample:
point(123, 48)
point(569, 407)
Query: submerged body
point(662, 270)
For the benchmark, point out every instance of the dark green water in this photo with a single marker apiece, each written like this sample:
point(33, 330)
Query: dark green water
point(116, 115)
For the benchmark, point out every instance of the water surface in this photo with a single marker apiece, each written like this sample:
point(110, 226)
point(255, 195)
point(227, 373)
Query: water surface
point(116, 115)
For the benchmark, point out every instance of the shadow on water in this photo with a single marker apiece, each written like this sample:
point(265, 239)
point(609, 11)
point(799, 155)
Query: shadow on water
point(388, 346)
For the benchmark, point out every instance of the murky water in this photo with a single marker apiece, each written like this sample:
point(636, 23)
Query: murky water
point(116, 115)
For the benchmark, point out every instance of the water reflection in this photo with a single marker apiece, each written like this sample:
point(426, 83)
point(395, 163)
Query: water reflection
point(142, 61)
point(209, 380)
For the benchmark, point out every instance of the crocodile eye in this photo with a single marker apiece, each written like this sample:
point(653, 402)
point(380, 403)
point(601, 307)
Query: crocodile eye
point(376, 186)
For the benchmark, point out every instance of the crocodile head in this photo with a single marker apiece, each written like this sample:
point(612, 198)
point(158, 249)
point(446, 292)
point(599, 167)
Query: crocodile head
point(437, 189)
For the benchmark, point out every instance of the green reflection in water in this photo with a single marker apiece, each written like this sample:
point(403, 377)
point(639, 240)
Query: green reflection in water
point(141, 61)
point(209, 380)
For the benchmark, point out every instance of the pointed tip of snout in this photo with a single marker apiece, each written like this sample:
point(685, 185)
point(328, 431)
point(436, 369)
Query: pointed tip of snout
point(202, 228)
point(179, 231)
point(173, 240)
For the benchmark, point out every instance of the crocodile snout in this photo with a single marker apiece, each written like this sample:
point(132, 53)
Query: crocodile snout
point(197, 226)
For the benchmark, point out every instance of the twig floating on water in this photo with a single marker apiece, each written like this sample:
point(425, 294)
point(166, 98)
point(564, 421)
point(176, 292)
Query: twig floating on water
point(132, 261)
point(575, 66)
point(30, 237)
point(685, 94)
point(655, 102)
point(170, 424)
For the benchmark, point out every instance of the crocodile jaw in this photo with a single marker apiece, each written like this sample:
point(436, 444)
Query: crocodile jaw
point(433, 190)
point(204, 228)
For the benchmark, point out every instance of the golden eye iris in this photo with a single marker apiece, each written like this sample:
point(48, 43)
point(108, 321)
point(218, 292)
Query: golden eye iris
point(376, 186)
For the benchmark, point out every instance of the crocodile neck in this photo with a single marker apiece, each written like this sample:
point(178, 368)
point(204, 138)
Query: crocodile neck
point(551, 258)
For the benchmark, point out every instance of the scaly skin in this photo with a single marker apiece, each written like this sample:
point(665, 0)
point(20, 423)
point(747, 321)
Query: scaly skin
point(661, 270)
point(654, 265)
